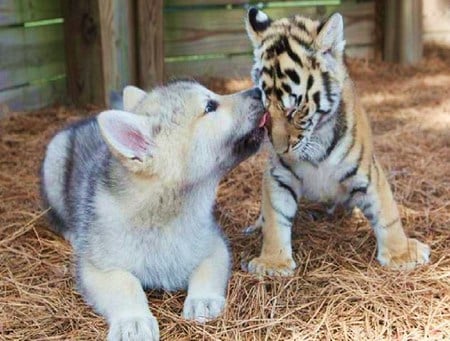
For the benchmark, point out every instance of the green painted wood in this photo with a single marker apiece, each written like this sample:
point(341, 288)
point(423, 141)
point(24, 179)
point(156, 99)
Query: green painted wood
point(33, 96)
point(212, 31)
point(20, 11)
point(230, 67)
point(359, 21)
point(117, 27)
point(293, 3)
point(168, 3)
point(30, 54)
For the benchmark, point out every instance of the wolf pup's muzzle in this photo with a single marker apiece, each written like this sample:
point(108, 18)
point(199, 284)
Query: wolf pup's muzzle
point(250, 142)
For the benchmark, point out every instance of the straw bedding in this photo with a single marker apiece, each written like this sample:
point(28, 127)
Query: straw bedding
point(339, 291)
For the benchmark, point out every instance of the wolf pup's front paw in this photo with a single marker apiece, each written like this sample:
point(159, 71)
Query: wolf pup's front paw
point(416, 253)
point(134, 329)
point(272, 266)
point(203, 309)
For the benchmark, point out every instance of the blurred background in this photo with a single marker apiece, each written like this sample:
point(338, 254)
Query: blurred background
point(84, 52)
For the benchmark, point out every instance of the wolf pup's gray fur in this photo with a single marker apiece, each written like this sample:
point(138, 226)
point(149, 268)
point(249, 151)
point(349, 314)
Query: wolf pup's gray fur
point(133, 192)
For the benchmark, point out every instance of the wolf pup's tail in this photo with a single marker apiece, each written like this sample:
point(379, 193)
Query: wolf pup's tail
point(54, 179)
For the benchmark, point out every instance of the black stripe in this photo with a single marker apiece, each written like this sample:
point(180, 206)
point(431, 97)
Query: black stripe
point(286, 88)
point(396, 220)
point(309, 83)
point(358, 189)
point(323, 112)
point(282, 184)
point(301, 26)
point(287, 167)
point(339, 130)
point(327, 86)
point(292, 54)
point(292, 75)
point(267, 71)
point(361, 155)
point(352, 144)
point(264, 85)
point(281, 213)
point(353, 192)
point(278, 71)
point(352, 172)
point(279, 94)
point(69, 164)
point(376, 166)
point(369, 175)
point(313, 62)
point(301, 42)
point(316, 99)
point(269, 37)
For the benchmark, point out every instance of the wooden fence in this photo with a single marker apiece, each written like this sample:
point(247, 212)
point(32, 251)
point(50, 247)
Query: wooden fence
point(86, 51)
point(32, 61)
point(210, 40)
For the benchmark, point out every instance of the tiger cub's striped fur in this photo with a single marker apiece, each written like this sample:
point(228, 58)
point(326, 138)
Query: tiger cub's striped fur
point(321, 141)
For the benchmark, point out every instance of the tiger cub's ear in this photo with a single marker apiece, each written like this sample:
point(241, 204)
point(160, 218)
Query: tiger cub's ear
point(256, 23)
point(331, 35)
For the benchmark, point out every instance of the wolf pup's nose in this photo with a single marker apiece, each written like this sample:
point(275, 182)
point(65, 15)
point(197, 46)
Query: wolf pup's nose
point(255, 93)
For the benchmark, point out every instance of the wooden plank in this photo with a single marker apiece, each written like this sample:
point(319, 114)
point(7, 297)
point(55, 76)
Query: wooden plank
point(411, 46)
point(83, 52)
point(212, 31)
point(100, 49)
point(189, 3)
point(32, 96)
point(168, 3)
point(20, 11)
point(230, 67)
point(150, 43)
point(238, 66)
point(30, 54)
point(118, 46)
point(359, 21)
point(403, 44)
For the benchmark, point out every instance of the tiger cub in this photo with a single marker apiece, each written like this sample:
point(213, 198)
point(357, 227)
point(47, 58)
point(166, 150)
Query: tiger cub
point(321, 141)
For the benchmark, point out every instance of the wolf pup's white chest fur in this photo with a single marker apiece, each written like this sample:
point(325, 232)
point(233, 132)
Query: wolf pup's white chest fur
point(133, 192)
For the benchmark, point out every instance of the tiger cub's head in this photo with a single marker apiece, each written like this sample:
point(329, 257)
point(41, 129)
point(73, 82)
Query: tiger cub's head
point(299, 65)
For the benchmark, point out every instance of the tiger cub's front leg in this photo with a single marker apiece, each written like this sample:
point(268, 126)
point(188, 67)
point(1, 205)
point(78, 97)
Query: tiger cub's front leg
point(394, 249)
point(281, 191)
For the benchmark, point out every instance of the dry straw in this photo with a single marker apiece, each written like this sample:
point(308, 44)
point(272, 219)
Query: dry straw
point(339, 291)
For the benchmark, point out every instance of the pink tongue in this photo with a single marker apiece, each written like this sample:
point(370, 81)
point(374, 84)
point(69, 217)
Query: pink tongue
point(263, 120)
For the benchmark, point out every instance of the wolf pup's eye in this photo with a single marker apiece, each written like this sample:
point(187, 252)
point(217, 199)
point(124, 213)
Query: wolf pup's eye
point(211, 106)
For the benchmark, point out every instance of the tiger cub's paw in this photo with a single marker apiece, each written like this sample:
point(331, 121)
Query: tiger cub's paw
point(272, 266)
point(417, 253)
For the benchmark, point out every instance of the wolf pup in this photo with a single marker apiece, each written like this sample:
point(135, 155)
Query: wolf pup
point(133, 191)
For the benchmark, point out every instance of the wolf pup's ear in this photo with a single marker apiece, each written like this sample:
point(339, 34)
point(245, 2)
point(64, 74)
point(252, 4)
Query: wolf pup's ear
point(129, 136)
point(132, 96)
point(331, 36)
point(256, 23)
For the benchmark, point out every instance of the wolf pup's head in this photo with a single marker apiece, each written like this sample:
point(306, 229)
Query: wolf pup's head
point(183, 132)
